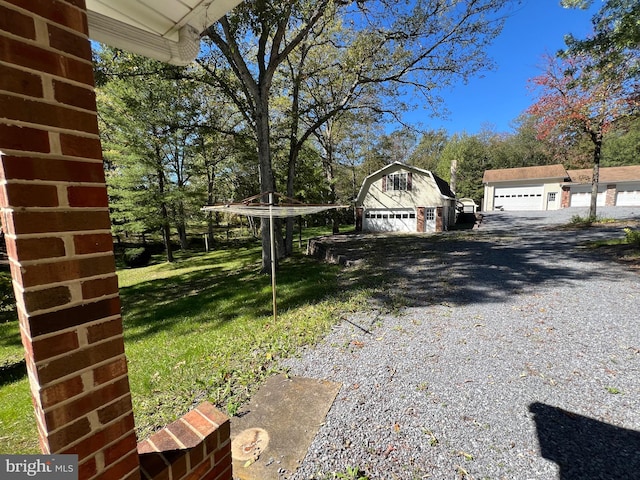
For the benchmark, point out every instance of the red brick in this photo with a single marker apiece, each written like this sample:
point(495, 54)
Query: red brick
point(77, 146)
point(178, 460)
point(183, 433)
point(17, 23)
point(220, 471)
point(196, 455)
point(35, 58)
point(107, 329)
point(76, 269)
point(119, 469)
point(155, 466)
point(69, 42)
point(56, 345)
point(212, 413)
point(145, 447)
point(200, 423)
point(25, 222)
point(87, 196)
point(64, 390)
point(93, 243)
point(108, 372)
point(19, 81)
point(63, 437)
point(114, 410)
point(26, 168)
point(40, 113)
point(99, 287)
point(79, 360)
point(85, 404)
point(120, 448)
point(88, 446)
point(88, 468)
point(22, 138)
point(59, 12)
point(52, 322)
point(25, 195)
point(39, 248)
point(199, 472)
point(47, 298)
point(163, 441)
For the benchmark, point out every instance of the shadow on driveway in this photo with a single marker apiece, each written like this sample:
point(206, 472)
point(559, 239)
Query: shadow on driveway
point(517, 253)
point(584, 448)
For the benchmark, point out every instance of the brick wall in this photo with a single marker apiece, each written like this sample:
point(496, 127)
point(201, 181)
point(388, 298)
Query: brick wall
point(197, 445)
point(56, 219)
point(565, 199)
point(54, 212)
point(420, 219)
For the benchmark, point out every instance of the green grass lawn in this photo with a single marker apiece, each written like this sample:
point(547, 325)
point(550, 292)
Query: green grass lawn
point(198, 329)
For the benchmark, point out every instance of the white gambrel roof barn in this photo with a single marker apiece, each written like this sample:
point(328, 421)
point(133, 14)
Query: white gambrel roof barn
point(403, 198)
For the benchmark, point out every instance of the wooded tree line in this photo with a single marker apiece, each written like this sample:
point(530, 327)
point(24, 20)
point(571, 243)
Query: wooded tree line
point(293, 97)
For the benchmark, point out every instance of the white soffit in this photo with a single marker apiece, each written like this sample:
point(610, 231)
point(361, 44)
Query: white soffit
point(166, 30)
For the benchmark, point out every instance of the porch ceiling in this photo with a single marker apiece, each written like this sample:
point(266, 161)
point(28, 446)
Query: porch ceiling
point(167, 30)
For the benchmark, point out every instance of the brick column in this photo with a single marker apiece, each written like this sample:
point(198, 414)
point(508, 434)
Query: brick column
point(56, 219)
point(420, 219)
point(439, 219)
point(565, 199)
point(612, 192)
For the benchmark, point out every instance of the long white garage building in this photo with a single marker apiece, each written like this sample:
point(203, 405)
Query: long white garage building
point(550, 187)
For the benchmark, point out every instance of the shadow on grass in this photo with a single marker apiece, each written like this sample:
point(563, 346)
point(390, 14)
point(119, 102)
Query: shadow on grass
point(584, 448)
point(12, 372)
point(155, 305)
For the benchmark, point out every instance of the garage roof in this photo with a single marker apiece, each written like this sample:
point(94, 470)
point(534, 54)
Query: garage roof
point(525, 173)
point(166, 30)
point(629, 173)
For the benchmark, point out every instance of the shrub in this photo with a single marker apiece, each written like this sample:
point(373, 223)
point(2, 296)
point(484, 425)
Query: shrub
point(632, 237)
point(136, 257)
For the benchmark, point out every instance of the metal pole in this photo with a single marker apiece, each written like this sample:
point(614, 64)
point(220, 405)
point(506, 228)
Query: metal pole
point(273, 255)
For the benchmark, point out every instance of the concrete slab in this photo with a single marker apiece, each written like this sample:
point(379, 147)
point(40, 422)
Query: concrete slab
point(272, 433)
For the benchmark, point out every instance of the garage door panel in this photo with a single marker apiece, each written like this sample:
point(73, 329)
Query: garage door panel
point(629, 196)
point(529, 197)
point(389, 220)
point(581, 197)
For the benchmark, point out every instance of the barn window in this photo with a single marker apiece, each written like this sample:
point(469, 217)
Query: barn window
point(398, 181)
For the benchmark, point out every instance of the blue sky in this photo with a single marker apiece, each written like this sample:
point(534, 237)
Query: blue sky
point(535, 28)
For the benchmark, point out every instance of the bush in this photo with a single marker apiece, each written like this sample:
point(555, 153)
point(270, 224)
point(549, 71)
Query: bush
point(137, 257)
point(632, 237)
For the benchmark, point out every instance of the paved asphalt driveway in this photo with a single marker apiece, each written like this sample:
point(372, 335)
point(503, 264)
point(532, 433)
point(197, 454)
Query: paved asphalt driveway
point(514, 354)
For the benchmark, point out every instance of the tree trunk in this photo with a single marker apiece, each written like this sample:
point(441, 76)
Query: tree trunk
point(164, 214)
point(267, 180)
point(597, 150)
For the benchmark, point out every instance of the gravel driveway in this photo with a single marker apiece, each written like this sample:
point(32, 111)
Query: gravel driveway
point(515, 355)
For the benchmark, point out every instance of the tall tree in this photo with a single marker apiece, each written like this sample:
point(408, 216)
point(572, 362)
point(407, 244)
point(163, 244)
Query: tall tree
point(149, 130)
point(615, 38)
point(396, 45)
point(576, 98)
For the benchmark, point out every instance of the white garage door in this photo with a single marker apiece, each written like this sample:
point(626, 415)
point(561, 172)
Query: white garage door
point(527, 197)
point(581, 196)
point(628, 196)
point(389, 220)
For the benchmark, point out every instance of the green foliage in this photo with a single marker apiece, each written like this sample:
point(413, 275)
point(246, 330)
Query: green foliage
point(137, 257)
point(7, 300)
point(351, 473)
point(632, 237)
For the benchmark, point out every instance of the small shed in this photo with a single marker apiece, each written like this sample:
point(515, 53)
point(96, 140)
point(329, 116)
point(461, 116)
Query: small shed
point(403, 198)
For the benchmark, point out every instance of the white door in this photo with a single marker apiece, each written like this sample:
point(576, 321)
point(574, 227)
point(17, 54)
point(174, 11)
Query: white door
point(389, 220)
point(552, 200)
point(430, 219)
point(528, 197)
point(628, 196)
